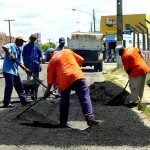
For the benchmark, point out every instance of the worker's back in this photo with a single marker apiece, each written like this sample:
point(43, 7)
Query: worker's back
point(64, 68)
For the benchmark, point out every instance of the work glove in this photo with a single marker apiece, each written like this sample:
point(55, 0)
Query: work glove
point(40, 68)
point(12, 57)
point(128, 71)
point(28, 71)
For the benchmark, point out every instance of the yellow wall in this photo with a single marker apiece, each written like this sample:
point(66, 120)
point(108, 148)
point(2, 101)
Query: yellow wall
point(132, 19)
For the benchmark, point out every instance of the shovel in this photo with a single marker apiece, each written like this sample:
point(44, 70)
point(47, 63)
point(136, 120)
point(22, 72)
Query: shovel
point(118, 99)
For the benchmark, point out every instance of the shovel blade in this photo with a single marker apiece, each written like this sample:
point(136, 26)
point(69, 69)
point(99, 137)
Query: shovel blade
point(118, 99)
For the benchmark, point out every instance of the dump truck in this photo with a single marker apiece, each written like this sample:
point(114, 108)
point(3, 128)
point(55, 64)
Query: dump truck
point(88, 45)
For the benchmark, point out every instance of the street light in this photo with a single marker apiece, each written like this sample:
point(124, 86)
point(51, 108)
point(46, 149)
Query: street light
point(9, 27)
point(85, 25)
point(93, 15)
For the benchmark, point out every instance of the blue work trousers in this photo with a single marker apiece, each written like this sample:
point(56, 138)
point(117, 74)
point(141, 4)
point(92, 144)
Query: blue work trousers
point(81, 88)
point(10, 82)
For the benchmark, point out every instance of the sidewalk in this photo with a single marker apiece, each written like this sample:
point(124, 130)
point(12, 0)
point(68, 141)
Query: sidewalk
point(146, 97)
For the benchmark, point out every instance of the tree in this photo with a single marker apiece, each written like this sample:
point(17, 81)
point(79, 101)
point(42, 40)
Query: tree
point(46, 46)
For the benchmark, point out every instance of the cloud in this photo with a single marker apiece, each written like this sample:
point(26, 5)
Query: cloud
point(55, 18)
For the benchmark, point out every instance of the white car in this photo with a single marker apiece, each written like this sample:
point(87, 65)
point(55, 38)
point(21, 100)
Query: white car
point(1, 63)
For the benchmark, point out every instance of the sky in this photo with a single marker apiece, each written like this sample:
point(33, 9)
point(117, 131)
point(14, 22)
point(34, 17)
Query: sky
point(55, 18)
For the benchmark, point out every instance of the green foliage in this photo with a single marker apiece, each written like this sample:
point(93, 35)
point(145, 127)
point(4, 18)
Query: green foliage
point(148, 76)
point(146, 110)
point(44, 47)
point(117, 71)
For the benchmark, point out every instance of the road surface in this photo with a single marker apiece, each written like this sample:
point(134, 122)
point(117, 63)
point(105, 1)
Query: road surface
point(120, 128)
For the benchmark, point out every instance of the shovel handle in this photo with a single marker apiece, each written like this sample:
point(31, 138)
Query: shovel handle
point(126, 85)
point(27, 71)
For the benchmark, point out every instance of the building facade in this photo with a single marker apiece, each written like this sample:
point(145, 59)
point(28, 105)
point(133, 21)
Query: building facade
point(136, 25)
point(4, 39)
point(108, 24)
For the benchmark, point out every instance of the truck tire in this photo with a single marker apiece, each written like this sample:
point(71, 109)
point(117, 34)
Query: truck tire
point(96, 67)
point(100, 66)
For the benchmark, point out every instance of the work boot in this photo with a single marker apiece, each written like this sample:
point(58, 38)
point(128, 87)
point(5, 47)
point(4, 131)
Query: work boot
point(62, 125)
point(91, 123)
point(25, 103)
point(8, 106)
point(131, 105)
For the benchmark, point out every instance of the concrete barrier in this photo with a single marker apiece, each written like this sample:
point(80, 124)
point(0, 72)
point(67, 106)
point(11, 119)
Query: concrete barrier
point(146, 55)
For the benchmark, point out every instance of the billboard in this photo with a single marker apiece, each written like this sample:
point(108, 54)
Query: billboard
point(111, 21)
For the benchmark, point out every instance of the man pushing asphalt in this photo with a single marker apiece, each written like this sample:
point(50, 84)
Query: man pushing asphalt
point(64, 69)
point(137, 69)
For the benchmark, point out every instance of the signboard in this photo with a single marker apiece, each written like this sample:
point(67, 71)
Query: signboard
point(111, 29)
point(111, 21)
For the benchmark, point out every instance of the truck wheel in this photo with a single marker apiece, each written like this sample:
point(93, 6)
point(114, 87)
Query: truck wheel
point(95, 67)
point(100, 66)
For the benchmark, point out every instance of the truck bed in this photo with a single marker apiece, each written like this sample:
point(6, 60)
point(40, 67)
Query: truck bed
point(95, 45)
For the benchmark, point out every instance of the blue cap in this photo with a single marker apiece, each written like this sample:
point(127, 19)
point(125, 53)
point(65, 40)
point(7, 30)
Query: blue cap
point(50, 50)
point(62, 40)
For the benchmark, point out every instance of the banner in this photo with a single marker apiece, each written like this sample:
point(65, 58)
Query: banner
point(111, 30)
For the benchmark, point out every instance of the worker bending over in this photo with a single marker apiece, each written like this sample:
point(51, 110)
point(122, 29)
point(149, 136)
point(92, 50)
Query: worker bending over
point(136, 68)
point(64, 69)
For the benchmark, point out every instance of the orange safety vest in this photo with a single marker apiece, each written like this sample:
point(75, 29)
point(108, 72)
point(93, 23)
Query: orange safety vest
point(64, 68)
point(132, 59)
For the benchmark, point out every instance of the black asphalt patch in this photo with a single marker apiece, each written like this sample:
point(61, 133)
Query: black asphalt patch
point(119, 125)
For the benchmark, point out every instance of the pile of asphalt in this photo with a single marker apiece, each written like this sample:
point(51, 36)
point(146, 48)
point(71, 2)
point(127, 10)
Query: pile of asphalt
point(106, 91)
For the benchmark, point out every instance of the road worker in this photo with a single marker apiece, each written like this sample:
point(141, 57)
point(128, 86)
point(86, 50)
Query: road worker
point(64, 68)
point(10, 72)
point(136, 68)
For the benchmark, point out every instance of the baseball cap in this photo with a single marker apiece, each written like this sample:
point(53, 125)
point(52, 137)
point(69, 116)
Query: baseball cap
point(62, 40)
point(20, 38)
point(118, 48)
point(50, 50)
point(33, 36)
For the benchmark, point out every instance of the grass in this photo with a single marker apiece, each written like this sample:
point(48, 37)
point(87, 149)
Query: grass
point(111, 75)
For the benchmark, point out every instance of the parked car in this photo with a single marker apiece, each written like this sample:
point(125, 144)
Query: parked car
point(43, 58)
point(1, 63)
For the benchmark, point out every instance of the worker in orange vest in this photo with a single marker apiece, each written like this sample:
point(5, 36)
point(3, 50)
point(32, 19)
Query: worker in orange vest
point(136, 68)
point(64, 68)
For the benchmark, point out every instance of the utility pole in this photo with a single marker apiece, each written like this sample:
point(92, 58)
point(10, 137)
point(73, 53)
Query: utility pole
point(119, 29)
point(9, 20)
point(92, 14)
point(119, 21)
point(94, 20)
point(91, 26)
point(49, 40)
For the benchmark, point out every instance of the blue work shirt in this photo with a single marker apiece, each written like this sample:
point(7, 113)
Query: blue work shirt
point(9, 66)
point(31, 56)
point(58, 48)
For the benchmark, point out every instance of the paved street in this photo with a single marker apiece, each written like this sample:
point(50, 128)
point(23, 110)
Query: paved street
point(87, 70)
